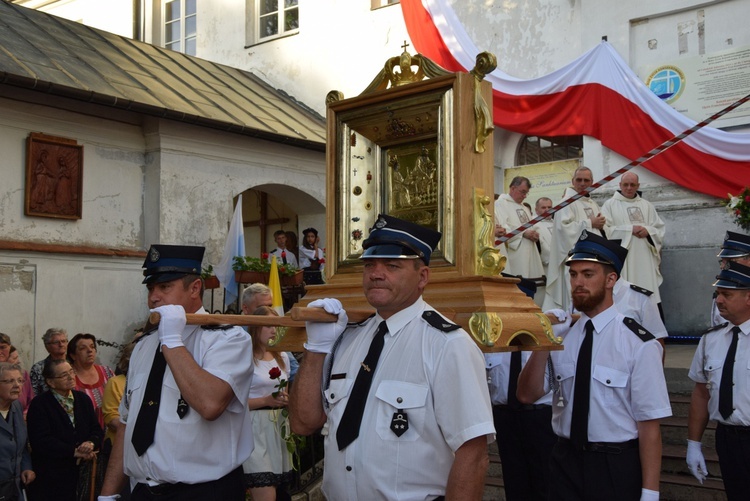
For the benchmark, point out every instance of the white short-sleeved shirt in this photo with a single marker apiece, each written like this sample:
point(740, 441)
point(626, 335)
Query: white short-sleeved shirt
point(627, 380)
point(498, 370)
point(707, 367)
point(191, 449)
point(290, 257)
point(436, 378)
point(640, 306)
point(263, 385)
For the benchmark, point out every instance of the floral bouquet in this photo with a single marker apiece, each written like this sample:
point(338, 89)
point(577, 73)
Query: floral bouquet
point(293, 441)
point(739, 207)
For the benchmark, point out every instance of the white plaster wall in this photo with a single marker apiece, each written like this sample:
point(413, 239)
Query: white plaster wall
point(112, 178)
point(114, 16)
point(163, 182)
point(341, 45)
point(199, 176)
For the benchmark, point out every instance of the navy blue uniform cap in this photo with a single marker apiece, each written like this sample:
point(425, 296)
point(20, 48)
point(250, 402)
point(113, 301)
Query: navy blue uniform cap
point(394, 238)
point(733, 276)
point(592, 247)
point(735, 245)
point(165, 263)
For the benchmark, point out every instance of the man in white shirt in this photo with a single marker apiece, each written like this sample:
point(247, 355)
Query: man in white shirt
point(404, 404)
point(187, 427)
point(609, 389)
point(283, 255)
point(635, 221)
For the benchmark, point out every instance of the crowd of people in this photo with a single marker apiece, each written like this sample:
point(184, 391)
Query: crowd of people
point(405, 401)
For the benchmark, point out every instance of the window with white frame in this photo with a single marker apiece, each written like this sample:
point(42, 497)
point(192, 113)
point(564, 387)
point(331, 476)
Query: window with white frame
point(275, 18)
point(376, 4)
point(180, 25)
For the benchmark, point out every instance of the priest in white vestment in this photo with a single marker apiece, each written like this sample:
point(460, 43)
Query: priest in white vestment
point(569, 223)
point(635, 221)
point(521, 250)
point(544, 228)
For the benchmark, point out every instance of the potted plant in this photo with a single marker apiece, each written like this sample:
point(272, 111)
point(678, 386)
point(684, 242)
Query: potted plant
point(252, 269)
point(248, 270)
point(210, 281)
point(290, 275)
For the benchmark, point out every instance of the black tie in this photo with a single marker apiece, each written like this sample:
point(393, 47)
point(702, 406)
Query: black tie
point(726, 399)
point(348, 428)
point(283, 257)
point(145, 424)
point(579, 423)
point(515, 370)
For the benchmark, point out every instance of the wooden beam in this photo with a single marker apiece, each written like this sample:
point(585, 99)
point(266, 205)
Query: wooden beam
point(86, 250)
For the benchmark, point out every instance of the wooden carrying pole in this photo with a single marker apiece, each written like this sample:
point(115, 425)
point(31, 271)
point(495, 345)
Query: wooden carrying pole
point(293, 335)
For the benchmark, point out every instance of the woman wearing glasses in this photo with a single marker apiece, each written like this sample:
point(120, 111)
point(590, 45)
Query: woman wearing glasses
point(15, 462)
point(63, 432)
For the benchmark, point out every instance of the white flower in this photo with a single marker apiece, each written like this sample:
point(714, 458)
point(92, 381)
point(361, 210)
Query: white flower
point(733, 201)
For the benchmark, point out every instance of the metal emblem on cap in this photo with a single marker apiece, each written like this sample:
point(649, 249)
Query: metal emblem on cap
point(153, 255)
point(380, 223)
point(584, 235)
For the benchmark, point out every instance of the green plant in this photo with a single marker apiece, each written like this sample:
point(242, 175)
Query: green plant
point(293, 441)
point(261, 264)
point(208, 271)
point(247, 263)
point(739, 207)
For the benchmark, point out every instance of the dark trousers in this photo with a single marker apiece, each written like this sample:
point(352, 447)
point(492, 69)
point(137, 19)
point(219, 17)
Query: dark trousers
point(733, 448)
point(525, 441)
point(577, 474)
point(230, 487)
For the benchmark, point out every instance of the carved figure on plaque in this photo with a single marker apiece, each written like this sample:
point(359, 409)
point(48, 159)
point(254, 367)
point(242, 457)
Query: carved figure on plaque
point(422, 179)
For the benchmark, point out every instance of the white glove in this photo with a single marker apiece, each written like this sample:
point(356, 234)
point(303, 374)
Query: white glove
point(113, 497)
point(561, 315)
point(564, 318)
point(649, 495)
point(171, 325)
point(322, 335)
point(695, 460)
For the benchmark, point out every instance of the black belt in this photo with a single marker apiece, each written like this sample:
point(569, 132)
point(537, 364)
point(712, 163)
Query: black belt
point(737, 430)
point(601, 447)
point(522, 407)
point(164, 489)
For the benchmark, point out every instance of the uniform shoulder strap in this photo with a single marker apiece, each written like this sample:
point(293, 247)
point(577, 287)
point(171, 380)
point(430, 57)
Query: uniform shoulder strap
point(640, 331)
point(224, 327)
point(641, 289)
point(438, 322)
point(714, 328)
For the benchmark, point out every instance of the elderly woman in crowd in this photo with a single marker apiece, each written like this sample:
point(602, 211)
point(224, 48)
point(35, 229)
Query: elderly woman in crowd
point(91, 378)
point(63, 431)
point(56, 343)
point(15, 462)
point(27, 393)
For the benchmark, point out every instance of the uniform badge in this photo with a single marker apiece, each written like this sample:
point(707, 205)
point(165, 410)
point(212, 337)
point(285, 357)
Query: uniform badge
point(399, 423)
point(182, 407)
point(153, 255)
point(380, 223)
